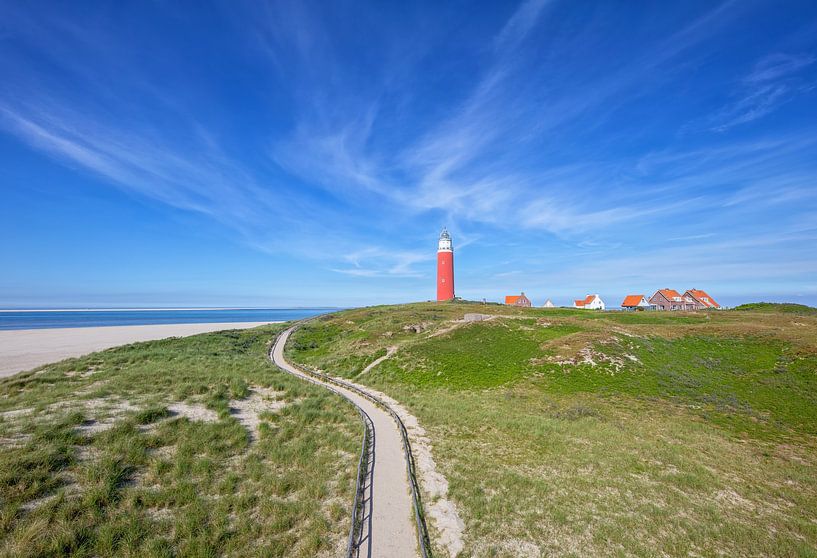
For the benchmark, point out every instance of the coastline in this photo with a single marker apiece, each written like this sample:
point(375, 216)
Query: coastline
point(179, 309)
point(24, 349)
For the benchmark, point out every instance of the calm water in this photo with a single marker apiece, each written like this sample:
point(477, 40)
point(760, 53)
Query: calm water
point(74, 318)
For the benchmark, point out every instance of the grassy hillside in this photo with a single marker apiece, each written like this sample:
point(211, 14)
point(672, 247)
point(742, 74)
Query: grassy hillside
point(777, 307)
point(182, 447)
point(573, 433)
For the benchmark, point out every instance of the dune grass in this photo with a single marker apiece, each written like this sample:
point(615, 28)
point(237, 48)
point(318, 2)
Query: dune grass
point(575, 433)
point(138, 451)
point(777, 307)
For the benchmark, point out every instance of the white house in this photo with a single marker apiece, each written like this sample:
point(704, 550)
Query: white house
point(636, 302)
point(548, 304)
point(591, 302)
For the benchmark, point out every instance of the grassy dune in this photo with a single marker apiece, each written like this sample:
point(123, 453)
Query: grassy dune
point(182, 447)
point(571, 433)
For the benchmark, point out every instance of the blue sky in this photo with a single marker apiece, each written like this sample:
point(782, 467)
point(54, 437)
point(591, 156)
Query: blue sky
point(308, 153)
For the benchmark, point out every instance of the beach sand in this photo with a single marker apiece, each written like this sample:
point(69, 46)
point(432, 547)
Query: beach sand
point(28, 348)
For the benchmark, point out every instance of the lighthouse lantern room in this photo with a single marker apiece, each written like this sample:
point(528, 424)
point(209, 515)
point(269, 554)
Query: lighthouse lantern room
point(445, 267)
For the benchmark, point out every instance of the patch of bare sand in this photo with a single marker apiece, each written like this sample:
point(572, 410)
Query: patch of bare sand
point(192, 411)
point(15, 413)
point(90, 371)
point(104, 414)
point(68, 488)
point(15, 440)
point(247, 411)
point(730, 498)
point(587, 355)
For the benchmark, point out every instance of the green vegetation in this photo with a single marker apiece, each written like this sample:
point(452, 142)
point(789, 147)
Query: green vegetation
point(777, 307)
point(501, 351)
point(183, 447)
point(576, 433)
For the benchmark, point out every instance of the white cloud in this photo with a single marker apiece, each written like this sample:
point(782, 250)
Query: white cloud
point(496, 154)
point(771, 83)
point(777, 65)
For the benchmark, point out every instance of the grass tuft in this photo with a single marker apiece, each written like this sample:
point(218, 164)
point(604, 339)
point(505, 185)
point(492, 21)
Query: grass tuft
point(96, 465)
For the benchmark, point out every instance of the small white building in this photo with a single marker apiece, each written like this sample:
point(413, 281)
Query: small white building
point(636, 302)
point(548, 304)
point(590, 302)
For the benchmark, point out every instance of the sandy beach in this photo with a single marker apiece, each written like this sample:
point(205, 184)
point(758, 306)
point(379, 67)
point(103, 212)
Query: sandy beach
point(28, 348)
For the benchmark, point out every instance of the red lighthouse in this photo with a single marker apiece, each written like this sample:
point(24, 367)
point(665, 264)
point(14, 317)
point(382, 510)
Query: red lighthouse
point(445, 267)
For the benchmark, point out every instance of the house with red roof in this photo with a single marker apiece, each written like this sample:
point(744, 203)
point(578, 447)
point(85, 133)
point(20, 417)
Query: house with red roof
point(693, 299)
point(590, 302)
point(702, 300)
point(670, 299)
point(636, 302)
point(518, 300)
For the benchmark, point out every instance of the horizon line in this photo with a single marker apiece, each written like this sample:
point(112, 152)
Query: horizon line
point(169, 309)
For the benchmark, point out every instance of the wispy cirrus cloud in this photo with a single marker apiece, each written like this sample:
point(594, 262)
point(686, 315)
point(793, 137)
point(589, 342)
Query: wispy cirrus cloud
point(773, 81)
point(458, 166)
point(339, 138)
point(198, 180)
point(380, 262)
point(778, 65)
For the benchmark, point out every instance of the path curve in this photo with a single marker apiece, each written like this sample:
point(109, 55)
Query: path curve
point(391, 531)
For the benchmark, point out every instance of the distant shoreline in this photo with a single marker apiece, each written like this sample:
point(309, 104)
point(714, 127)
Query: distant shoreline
point(24, 349)
point(178, 309)
point(99, 317)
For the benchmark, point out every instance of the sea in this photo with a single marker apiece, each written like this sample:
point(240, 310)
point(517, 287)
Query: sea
point(45, 319)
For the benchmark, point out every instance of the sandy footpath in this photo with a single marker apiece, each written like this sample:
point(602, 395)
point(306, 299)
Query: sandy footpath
point(388, 530)
point(28, 348)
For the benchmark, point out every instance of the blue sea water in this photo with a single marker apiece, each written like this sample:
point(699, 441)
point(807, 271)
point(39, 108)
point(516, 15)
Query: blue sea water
point(44, 319)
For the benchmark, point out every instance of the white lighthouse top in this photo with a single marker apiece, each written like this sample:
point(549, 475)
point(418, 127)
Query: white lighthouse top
point(445, 242)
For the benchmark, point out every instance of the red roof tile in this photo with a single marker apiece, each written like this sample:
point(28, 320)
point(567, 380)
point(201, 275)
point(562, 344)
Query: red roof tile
point(670, 293)
point(511, 299)
point(703, 298)
point(587, 300)
point(631, 300)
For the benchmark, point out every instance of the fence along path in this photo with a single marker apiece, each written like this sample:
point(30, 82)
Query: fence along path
point(388, 527)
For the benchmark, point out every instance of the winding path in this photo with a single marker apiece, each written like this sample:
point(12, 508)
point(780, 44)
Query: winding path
point(388, 530)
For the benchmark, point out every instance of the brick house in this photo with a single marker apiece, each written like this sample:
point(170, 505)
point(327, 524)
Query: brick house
point(693, 299)
point(518, 300)
point(702, 300)
point(670, 299)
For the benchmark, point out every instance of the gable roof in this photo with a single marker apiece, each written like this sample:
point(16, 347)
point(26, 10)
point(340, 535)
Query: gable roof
point(669, 294)
point(703, 298)
point(584, 302)
point(632, 300)
point(512, 299)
